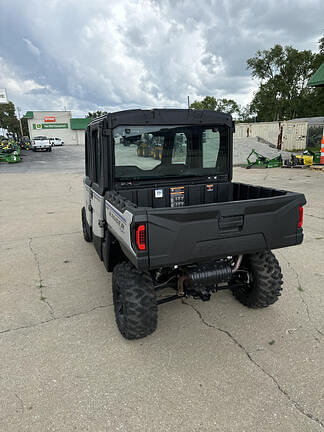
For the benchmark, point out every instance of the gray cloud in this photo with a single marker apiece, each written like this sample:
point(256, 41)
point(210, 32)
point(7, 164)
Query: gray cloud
point(32, 48)
point(125, 54)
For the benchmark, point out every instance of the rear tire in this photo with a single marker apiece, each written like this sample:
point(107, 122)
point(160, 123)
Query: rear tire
point(85, 227)
point(265, 275)
point(134, 302)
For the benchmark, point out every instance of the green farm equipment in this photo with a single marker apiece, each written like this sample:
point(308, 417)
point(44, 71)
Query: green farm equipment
point(262, 161)
point(9, 151)
point(305, 160)
point(25, 143)
point(316, 156)
point(148, 147)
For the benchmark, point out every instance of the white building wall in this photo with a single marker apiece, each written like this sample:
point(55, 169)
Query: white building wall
point(294, 134)
point(68, 135)
point(80, 137)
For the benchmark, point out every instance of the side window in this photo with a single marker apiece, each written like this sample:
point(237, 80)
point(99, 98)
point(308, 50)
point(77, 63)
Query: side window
point(179, 152)
point(86, 154)
point(210, 146)
point(97, 155)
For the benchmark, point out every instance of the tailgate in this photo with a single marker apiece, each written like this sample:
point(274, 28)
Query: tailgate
point(190, 234)
point(42, 143)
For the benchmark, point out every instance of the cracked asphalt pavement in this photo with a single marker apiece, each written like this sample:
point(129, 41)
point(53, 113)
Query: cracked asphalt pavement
point(214, 366)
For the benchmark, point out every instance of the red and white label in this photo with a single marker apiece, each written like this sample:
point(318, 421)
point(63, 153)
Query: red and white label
point(49, 119)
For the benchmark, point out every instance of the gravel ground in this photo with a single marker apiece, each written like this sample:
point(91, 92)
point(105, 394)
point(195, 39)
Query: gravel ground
point(243, 147)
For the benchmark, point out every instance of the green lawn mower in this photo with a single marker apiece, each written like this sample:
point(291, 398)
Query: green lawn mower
point(25, 143)
point(9, 151)
point(262, 161)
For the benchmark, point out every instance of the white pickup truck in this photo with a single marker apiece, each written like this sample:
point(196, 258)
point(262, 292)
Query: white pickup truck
point(56, 142)
point(41, 143)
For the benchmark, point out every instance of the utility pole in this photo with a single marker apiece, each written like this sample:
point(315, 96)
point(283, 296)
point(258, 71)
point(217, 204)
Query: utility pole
point(188, 102)
point(21, 130)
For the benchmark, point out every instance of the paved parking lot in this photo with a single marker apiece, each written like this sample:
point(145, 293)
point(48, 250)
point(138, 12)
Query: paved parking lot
point(63, 159)
point(213, 366)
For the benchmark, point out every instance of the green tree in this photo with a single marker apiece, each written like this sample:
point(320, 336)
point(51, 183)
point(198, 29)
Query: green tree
point(211, 103)
point(8, 119)
point(246, 115)
point(228, 106)
point(208, 103)
point(24, 125)
point(321, 45)
point(283, 73)
point(95, 114)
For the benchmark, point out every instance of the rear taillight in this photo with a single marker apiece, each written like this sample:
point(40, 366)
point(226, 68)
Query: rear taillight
point(300, 217)
point(140, 236)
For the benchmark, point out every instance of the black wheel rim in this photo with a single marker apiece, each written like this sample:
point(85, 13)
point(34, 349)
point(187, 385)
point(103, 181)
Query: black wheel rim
point(245, 277)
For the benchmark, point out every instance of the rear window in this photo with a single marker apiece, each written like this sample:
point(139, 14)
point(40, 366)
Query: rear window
point(170, 151)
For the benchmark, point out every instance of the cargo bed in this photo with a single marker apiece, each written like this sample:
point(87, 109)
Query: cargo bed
point(216, 220)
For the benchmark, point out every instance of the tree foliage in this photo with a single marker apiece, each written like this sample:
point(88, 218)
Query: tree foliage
point(24, 124)
point(283, 73)
point(8, 119)
point(95, 114)
point(321, 45)
point(211, 103)
point(247, 114)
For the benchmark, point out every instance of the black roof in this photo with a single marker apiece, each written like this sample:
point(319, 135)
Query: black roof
point(164, 117)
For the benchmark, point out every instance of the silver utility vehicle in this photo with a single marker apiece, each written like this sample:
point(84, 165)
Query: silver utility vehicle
point(162, 212)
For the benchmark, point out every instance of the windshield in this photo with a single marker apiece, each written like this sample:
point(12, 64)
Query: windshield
point(148, 152)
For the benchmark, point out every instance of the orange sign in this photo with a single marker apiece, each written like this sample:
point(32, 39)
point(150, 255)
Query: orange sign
point(49, 119)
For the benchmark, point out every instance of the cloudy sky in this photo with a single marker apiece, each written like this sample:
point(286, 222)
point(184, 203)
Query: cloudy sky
point(119, 54)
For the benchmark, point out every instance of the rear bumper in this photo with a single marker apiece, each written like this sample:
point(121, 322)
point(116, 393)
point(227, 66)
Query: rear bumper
point(220, 248)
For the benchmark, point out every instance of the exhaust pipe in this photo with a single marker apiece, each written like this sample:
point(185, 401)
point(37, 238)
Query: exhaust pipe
point(208, 274)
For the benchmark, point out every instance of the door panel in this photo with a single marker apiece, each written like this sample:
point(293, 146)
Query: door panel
point(97, 203)
point(87, 203)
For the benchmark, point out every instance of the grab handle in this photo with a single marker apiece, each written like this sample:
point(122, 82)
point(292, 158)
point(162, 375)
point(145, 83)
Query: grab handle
point(230, 222)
